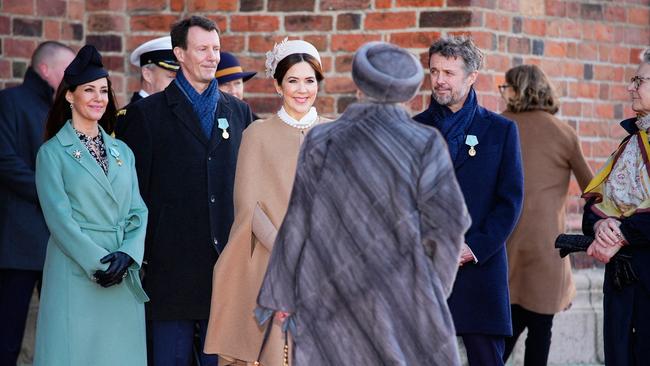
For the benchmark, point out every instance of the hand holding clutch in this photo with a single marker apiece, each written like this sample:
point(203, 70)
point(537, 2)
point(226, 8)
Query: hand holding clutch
point(263, 228)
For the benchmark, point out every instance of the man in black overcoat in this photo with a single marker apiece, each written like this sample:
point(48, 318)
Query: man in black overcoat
point(185, 140)
point(23, 234)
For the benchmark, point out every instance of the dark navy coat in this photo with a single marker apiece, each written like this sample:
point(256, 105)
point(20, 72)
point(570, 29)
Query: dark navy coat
point(23, 233)
point(187, 182)
point(492, 184)
point(626, 308)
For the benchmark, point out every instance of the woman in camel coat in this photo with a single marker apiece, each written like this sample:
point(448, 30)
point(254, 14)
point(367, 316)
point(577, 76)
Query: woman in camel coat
point(266, 167)
point(540, 281)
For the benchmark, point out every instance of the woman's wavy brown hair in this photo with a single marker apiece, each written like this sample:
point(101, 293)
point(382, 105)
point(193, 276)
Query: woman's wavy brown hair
point(533, 90)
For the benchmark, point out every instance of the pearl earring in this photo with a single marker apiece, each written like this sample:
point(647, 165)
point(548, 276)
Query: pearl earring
point(70, 105)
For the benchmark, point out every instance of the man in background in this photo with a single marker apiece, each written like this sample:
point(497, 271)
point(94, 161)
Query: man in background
point(158, 68)
point(23, 233)
point(231, 77)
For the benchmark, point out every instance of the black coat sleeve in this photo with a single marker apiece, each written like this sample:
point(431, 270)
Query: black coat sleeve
point(15, 174)
point(635, 229)
point(139, 138)
point(589, 218)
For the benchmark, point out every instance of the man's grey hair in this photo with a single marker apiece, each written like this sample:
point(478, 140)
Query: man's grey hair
point(645, 56)
point(46, 50)
point(458, 46)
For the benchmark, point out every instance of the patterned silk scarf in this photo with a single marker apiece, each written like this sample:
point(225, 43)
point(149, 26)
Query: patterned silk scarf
point(622, 186)
point(204, 104)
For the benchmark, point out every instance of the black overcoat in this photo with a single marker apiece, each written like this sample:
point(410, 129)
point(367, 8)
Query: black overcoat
point(625, 310)
point(186, 181)
point(23, 233)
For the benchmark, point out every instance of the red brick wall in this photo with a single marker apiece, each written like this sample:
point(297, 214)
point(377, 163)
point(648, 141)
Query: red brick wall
point(588, 48)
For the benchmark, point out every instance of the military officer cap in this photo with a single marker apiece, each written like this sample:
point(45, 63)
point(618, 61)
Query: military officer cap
point(86, 66)
point(157, 51)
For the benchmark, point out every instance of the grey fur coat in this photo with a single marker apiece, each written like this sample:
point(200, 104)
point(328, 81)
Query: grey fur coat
point(368, 251)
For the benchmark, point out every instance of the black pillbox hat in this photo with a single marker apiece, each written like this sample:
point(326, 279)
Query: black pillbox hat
point(87, 66)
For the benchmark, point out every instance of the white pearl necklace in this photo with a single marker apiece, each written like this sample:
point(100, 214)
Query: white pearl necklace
point(304, 123)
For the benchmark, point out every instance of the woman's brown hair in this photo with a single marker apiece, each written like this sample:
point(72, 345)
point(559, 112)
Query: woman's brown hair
point(296, 58)
point(532, 89)
point(61, 111)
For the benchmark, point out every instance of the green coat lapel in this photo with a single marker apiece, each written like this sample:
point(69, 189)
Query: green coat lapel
point(78, 152)
point(114, 155)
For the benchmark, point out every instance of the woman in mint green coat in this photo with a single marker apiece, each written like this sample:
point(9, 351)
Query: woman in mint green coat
point(92, 302)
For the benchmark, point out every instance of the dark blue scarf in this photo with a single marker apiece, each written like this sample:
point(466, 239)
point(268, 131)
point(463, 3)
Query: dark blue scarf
point(453, 126)
point(204, 104)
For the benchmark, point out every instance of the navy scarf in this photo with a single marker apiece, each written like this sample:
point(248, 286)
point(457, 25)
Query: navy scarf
point(453, 126)
point(204, 104)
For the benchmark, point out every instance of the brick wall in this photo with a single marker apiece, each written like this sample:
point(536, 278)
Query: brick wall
point(588, 47)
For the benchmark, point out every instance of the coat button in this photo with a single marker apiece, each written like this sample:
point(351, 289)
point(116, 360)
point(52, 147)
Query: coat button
point(215, 241)
point(209, 158)
point(213, 199)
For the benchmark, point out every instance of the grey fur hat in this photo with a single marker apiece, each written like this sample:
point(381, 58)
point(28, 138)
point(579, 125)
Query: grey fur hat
point(386, 73)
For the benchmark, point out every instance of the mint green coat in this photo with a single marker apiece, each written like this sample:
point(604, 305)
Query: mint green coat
point(89, 214)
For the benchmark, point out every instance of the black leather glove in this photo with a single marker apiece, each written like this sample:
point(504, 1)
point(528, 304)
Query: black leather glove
point(119, 264)
point(570, 243)
point(623, 272)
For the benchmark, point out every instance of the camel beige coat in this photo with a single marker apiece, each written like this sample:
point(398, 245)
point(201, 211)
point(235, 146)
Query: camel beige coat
point(541, 281)
point(264, 177)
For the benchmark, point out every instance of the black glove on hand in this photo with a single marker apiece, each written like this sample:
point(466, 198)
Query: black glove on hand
point(570, 243)
point(116, 271)
point(623, 272)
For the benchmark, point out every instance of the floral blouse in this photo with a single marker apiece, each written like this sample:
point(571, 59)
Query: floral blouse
point(97, 149)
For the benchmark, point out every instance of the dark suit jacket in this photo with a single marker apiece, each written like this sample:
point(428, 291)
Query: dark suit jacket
point(121, 114)
point(23, 233)
point(186, 181)
point(492, 184)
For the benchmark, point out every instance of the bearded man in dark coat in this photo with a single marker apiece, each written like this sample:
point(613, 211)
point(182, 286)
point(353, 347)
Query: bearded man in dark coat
point(484, 148)
point(368, 250)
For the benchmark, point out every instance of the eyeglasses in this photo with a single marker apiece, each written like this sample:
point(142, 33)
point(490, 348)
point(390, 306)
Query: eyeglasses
point(637, 81)
point(503, 87)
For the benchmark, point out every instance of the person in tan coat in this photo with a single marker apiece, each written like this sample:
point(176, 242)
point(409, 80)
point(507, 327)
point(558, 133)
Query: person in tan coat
point(540, 281)
point(264, 177)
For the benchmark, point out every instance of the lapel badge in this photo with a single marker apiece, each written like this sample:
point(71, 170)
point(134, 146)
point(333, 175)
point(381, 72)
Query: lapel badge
point(116, 155)
point(223, 125)
point(77, 154)
point(471, 141)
